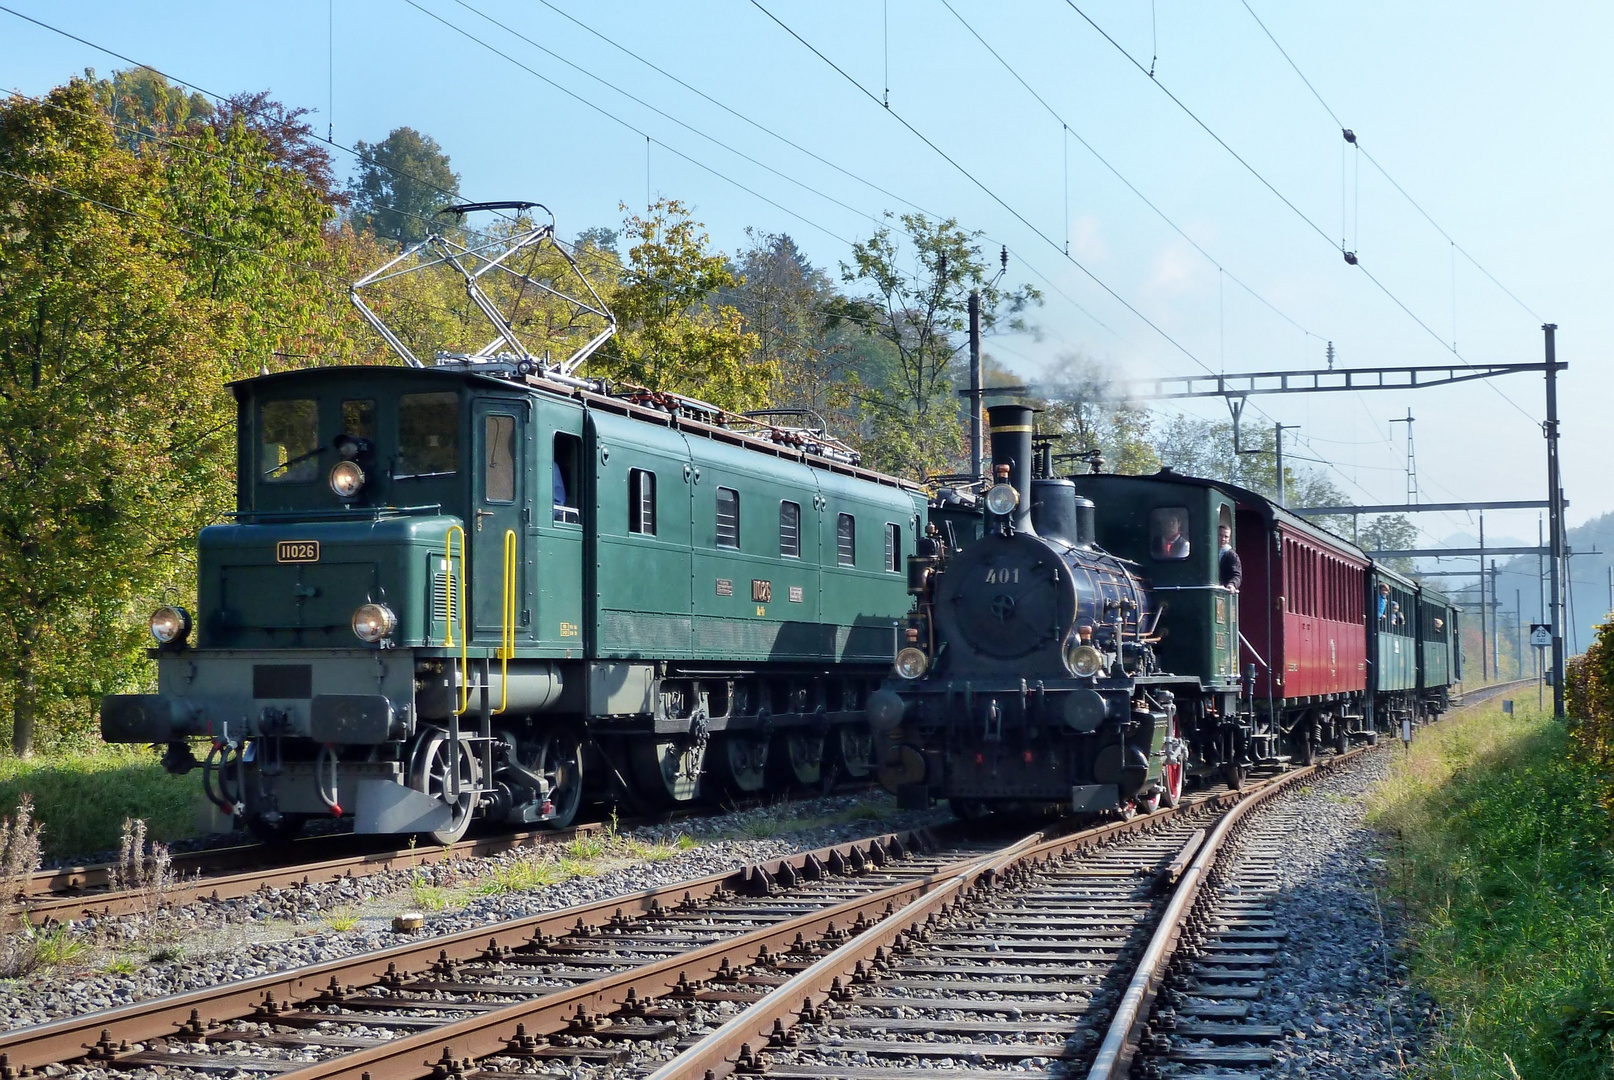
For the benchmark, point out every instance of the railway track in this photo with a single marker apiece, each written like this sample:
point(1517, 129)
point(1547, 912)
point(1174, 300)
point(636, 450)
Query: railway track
point(704, 975)
point(229, 873)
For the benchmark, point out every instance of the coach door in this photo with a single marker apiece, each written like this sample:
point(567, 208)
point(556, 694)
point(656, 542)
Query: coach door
point(498, 525)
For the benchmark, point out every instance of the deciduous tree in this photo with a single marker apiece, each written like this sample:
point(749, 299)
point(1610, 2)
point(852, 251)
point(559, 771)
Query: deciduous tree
point(402, 182)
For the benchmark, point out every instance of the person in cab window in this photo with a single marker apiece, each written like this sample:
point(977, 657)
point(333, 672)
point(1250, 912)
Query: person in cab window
point(560, 485)
point(1229, 568)
point(1384, 601)
point(1171, 543)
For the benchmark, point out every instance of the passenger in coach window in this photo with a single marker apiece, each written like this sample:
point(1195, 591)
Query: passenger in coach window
point(1230, 569)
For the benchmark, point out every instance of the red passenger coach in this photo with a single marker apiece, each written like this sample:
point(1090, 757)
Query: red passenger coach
point(1302, 622)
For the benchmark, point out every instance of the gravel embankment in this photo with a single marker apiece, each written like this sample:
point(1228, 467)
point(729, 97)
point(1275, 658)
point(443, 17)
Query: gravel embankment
point(208, 944)
point(1339, 989)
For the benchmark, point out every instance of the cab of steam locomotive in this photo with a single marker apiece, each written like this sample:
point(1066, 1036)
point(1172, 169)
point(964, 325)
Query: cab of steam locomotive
point(1028, 674)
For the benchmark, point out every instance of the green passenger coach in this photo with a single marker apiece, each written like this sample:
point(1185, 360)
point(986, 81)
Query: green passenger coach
point(457, 591)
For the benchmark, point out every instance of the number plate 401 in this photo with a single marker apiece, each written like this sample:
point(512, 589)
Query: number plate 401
point(1002, 575)
point(297, 551)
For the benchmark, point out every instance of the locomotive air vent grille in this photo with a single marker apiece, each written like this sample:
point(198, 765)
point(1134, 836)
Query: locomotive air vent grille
point(443, 597)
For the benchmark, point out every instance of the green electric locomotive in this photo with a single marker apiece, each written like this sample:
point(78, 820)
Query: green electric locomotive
point(484, 587)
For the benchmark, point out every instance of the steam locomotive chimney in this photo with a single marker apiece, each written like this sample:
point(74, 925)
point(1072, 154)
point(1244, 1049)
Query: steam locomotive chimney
point(1011, 446)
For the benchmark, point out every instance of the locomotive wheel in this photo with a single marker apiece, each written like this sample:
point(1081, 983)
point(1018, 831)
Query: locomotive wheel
point(740, 763)
point(853, 748)
point(797, 758)
point(433, 763)
point(668, 771)
point(557, 756)
point(1148, 804)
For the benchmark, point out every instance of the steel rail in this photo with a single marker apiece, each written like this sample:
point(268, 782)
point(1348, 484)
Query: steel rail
point(53, 894)
point(721, 1052)
point(67, 1040)
point(1115, 1053)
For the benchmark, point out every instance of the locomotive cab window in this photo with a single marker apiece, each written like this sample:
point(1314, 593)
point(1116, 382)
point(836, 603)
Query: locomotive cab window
point(728, 518)
point(428, 436)
point(1168, 533)
point(790, 530)
point(893, 548)
point(358, 418)
point(642, 502)
point(846, 540)
point(289, 438)
point(499, 458)
point(564, 478)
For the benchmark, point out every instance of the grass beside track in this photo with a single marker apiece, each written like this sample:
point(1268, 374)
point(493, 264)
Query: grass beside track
point(1503, 860)
point(82, 799)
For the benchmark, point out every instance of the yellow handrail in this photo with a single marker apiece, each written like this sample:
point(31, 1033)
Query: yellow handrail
point(456, 609)
point(507, 637)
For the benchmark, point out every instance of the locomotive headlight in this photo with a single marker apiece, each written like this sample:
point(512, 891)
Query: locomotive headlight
point(912, 663)
point(170, 624)
point(346, 479)
point(1083, 660)
point(1002, 499)
point(373, 622)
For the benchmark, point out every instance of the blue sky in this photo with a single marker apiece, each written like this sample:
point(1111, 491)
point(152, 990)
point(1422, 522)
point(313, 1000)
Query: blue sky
point(1495, 118)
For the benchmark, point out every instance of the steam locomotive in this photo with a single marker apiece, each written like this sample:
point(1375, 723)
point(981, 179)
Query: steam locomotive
point(1080, 645)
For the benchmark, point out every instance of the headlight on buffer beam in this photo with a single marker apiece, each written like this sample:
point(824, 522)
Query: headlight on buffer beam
point(170, 624)
point(1083, 660)
point(374, 622)
point(912, 663)
point(346, 479)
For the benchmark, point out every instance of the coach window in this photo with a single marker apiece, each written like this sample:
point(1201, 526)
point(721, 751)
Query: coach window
point(499, 465)
point(1168, 528)
point(642, 502)
point(846, 540)
point(565, 479)
point(428, 436)
point(790, 530)
point(289, 433)
point(728, 518)
point(893, 547)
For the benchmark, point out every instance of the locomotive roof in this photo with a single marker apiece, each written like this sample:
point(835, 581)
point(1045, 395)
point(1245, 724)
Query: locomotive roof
point(535, 384)
point(1270, 511)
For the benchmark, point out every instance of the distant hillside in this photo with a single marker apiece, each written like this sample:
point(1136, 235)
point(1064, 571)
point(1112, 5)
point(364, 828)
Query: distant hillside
point(1588, 598)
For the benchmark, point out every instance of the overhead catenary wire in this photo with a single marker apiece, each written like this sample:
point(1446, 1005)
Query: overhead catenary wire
point(1130, 186)
point(1381, 169)
point(1000, 201)
point(1350, 257)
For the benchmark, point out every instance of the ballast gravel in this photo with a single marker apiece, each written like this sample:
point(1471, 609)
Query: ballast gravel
point(208, 944)
point(1339, 990)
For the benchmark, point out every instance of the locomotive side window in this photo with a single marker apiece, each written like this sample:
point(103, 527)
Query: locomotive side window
point(289, 433)
point(728, 518)
point(499, 470)
point(642, 502)
point(1168, 526)
point(428, 435)
point(893, 547)
point(790, 530)
point(564, 478)
point(846, 540)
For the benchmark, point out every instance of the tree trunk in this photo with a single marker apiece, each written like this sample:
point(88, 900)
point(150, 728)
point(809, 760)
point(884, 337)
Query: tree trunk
point(23, 696)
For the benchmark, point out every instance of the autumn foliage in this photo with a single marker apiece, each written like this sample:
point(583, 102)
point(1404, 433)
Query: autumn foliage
point(1589, 700)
